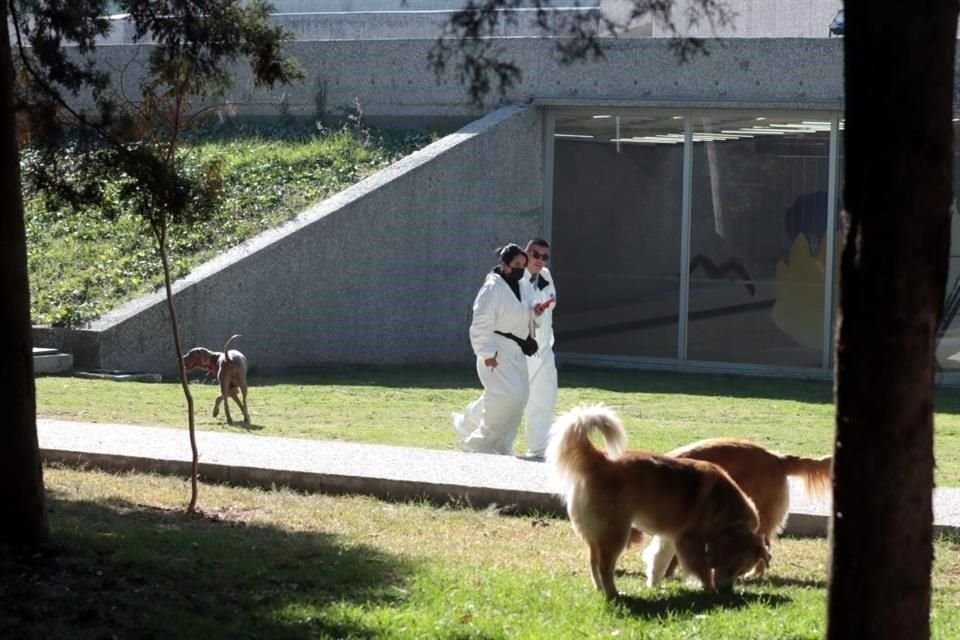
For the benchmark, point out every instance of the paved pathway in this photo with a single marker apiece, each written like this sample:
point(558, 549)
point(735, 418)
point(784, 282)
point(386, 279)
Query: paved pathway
point(384, 471)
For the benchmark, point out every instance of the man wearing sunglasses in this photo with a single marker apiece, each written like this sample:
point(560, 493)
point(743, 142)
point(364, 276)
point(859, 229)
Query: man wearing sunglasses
point(542, 367)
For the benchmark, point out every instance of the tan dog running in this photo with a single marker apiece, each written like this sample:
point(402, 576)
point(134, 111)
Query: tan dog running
point(761, 474)
point(230, 368)
point(693, 504)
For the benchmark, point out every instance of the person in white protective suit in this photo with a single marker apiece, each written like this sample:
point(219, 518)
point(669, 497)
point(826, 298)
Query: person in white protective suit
point(503, 318)
point(542, 367)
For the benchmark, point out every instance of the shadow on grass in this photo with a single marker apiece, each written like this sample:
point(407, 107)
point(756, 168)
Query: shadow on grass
point(693, 602)
point(123, 570)
point(616, 380)
point(753, 581)
point(394, 377)
point(783, 581)
point(699, 384)
point(245, 426)
point(613, 380)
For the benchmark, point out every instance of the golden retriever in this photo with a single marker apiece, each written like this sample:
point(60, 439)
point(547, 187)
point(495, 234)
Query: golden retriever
point(761, 474)
point(693, 504)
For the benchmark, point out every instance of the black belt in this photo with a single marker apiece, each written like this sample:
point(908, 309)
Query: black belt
point(528, 347)
point(519, 341)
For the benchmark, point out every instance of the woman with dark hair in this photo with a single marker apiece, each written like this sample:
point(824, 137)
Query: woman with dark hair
point(502, 318)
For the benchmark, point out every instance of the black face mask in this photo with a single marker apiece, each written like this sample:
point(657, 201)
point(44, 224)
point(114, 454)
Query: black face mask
point(512, 275)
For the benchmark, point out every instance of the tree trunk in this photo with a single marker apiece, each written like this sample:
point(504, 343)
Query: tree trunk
point(24, 513)
point(160, 235)
point(898, 68)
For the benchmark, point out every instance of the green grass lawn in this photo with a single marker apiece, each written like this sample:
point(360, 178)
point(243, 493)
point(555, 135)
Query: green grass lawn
point(127, 562)
point(412, 406)
point(82, 264)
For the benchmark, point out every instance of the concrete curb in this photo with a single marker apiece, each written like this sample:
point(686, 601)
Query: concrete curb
point(517, 502)
point(512, 502)
point(441, 477)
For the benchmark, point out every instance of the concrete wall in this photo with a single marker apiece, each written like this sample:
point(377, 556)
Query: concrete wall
point(383, 24)
point(314, 6)
point(382, 273)
point(761, 19)
point(392, 83)
point(332, 19)
point(386, 271)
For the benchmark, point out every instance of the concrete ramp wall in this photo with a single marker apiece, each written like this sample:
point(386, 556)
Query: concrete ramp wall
point(395, 19)
point(383, 273)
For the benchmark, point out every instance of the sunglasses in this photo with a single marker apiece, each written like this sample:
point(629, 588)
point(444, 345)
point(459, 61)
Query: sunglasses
point(539, 256)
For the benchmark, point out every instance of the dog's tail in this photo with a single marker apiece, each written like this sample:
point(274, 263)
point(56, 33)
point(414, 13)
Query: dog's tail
point(571, 453)
point(226, 345)
point(817, 473)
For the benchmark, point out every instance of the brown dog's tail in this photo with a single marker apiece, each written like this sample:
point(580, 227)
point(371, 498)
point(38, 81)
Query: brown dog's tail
point(226, 345)
point(816, 473)
point(571, 453)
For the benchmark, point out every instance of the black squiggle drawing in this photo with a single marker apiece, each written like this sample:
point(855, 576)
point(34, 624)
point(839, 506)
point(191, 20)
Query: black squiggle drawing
point(717, 271)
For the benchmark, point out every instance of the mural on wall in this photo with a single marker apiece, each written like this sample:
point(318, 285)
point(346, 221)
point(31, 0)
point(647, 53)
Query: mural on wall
point(725, 269)
point(801, 274)
point(757, 219)
point(798, 310)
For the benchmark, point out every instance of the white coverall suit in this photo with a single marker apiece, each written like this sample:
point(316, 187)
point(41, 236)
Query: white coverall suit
point(490, 423)
point(542, 368)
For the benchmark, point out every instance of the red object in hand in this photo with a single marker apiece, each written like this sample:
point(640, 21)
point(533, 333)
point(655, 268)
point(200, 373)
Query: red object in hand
point(545, 304)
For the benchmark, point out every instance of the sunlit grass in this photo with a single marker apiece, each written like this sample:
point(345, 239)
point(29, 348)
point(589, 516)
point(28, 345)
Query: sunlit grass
point(411, 407)
point(83, 264)
point(277, 564)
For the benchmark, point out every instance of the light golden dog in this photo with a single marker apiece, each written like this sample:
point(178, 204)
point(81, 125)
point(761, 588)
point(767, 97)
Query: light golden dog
point(761, 474)
point(693, 504)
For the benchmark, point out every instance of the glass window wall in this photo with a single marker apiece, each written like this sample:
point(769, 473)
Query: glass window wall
point(746, 285)
point(948, 334)
point(616, 232)
point(758, 239)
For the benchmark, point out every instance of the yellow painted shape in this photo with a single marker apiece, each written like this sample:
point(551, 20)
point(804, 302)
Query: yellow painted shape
point(798, 310)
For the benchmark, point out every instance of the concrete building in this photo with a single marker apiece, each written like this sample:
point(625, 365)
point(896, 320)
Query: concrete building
point(692, 207)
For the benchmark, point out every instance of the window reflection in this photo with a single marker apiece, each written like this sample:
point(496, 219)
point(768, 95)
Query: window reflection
point(618, 186)
point(757, 247)
point(948, 334)
point(758, 239)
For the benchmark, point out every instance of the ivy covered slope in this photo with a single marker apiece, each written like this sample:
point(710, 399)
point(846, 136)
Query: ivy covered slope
point(84, 263)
